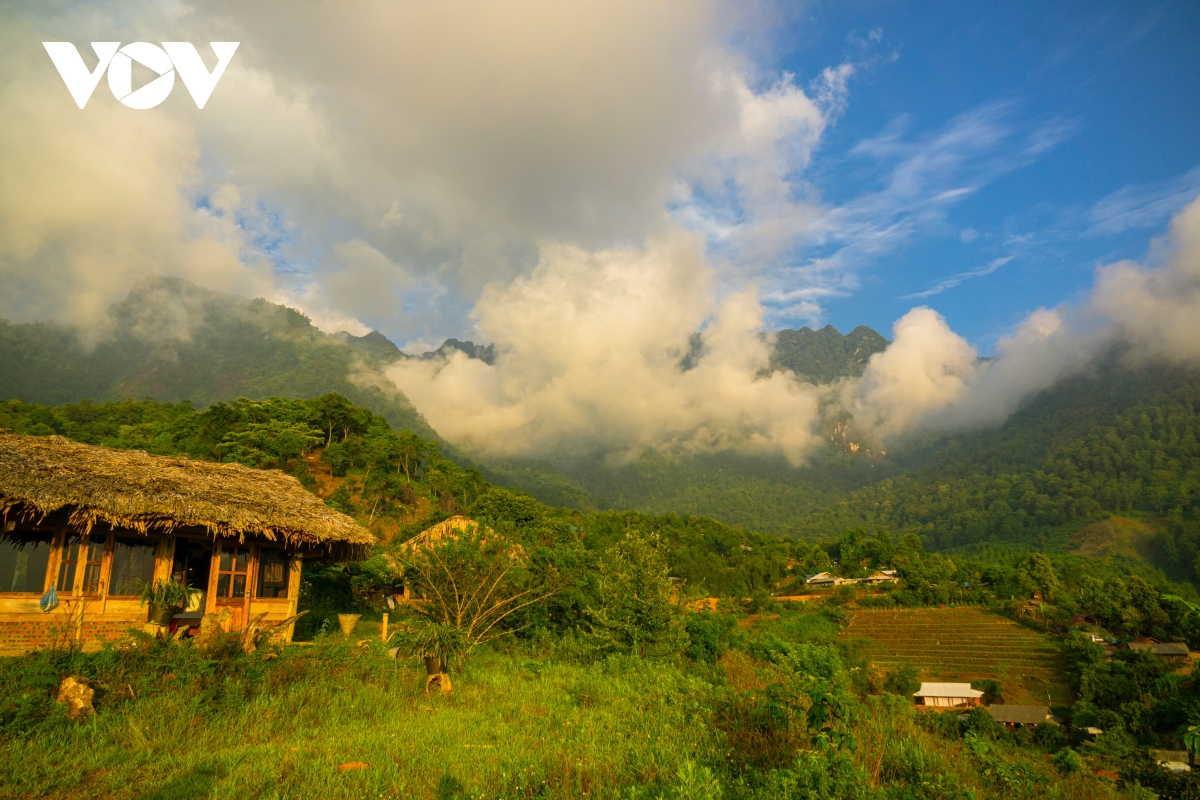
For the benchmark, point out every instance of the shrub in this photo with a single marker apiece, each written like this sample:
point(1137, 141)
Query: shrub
point(993, 692)
point(903, 680)
point(1067, 761)
point(1049, 737)
point(708, 635)
point(981, 723)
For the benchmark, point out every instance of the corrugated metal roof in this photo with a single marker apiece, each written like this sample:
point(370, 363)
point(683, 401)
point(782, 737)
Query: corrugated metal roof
point(1024, 715)
point(947, 690)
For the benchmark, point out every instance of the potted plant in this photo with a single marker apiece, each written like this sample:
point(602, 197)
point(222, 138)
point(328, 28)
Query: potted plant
point(165, 598)
point(439, 645)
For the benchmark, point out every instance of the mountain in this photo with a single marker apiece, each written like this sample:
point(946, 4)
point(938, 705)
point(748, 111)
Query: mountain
point(1115, 440)
point(825, 355)
point(171, 340)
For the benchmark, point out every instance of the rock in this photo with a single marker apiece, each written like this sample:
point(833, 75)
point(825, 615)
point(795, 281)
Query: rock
point(212, 629)
point(77, 694)
point(439, 682)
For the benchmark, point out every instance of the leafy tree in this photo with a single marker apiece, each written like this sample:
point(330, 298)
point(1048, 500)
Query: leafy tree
point(637, 609)
point(475, 581)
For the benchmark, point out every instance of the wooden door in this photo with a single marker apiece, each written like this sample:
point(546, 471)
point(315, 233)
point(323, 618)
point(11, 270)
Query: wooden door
point(233, 582)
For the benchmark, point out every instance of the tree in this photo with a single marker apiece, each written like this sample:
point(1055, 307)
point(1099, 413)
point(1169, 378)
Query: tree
point(637, 610)
point(1191, 741)
point(1042, 573)
point(475, 581)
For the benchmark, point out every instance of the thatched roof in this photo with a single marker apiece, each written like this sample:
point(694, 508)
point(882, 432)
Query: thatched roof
point(132, 489)
point(435, 533)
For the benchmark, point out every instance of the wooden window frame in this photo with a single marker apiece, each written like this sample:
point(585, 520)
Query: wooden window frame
point(51, 576)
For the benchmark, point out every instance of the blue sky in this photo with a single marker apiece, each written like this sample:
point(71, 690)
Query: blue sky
point(1074, 127)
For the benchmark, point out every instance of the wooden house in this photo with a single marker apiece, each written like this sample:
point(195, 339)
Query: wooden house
point(881, 576)
point(1012, 716)
point(95, 524)
point(1172, 652)
point(947, 695)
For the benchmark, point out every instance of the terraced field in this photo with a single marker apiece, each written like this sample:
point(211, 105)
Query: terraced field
point(964, 644)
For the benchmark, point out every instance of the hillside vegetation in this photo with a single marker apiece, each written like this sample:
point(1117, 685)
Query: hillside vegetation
point(1023, 485)
point(603, 684)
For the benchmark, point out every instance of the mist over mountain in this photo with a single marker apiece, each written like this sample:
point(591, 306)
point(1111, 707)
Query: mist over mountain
point(171, 340)
point(1021, 481)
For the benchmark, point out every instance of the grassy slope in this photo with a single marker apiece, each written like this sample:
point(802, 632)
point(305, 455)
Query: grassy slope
point(529, 723)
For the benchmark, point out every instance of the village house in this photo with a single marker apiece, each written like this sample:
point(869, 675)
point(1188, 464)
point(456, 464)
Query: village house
point(1014, 716)
point(96, 524)
point(820, 579)
point(881, 576)
point(1171, 652)
point(947, 695)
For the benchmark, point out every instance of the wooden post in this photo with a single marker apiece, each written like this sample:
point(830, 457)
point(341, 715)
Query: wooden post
point(384, 628)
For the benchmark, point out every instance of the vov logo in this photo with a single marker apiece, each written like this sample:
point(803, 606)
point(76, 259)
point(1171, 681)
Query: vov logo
point(172, 57)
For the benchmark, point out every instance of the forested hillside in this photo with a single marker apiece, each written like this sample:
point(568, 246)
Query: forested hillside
point(1128, 446)
point(172, 341)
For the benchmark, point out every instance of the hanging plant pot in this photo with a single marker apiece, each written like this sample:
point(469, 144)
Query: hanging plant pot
point(161, 613)
point(347, 622)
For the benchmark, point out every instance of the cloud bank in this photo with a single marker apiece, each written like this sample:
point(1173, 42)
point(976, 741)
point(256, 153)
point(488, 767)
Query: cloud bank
point(591, 346)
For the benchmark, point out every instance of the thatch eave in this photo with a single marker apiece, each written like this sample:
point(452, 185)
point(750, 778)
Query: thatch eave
point(130, 489)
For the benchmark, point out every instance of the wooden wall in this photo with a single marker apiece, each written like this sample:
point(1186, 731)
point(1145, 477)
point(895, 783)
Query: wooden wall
point(91, 619)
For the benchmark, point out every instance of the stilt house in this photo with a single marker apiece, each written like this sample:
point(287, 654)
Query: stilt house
point(95, 524)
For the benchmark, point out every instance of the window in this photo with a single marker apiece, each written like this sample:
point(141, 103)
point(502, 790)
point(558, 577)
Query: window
point(24, 558)
point(70, 560)
point(93, 565)
point(231, 572)
point(133, 565)
point(273, 568)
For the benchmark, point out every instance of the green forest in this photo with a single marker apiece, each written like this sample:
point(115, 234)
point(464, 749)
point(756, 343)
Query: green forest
point(749, 698)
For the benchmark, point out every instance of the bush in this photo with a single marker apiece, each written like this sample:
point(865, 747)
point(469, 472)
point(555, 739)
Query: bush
point(993, 692)
point(1049, 737)
point(904, 680)
point(981, 723)
point(708, 635)
point(1067, 761)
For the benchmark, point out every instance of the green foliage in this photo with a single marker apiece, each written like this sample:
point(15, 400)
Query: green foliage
point(709, 634)
point(993, 692)
point(825, 355)
point(1067, 761)
point(476, 580)
point(441, 640)
point(1046, 468)
point(635, 611)
point(903, 680)
point(172, 340)
point(166, 592)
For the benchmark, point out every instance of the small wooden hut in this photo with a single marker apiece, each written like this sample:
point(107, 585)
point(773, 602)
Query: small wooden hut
point(947, 695)
point(95, 524)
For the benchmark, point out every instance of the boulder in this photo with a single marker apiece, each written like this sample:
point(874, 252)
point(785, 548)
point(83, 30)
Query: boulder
point(77, 694)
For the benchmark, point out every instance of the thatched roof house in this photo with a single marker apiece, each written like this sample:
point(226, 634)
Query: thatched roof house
point(435, 533)
point(137, 491)
point(94, 524)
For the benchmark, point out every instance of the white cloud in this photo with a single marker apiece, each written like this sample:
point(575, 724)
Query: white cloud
point(589, 347)
point(955, 280)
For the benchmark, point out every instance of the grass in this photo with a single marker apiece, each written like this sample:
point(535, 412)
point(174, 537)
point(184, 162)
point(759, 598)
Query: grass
point(965, 643)
point(511, 727)
point(542, 719)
